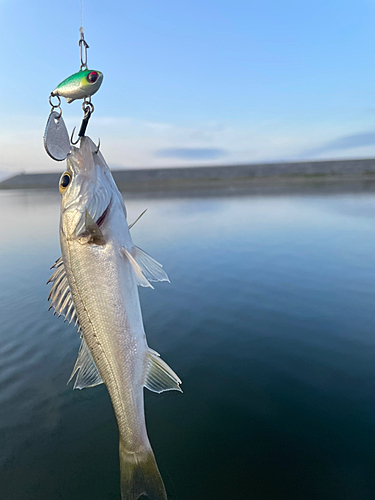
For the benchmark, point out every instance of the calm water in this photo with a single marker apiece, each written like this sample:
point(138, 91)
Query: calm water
point(269, 321)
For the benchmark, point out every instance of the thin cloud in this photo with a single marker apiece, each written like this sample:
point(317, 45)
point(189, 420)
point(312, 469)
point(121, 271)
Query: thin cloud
point(342, 143)
point(191, 153)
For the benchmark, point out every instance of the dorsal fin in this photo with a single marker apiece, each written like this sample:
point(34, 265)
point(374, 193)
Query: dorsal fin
point(88, 375)
point(62, 302)
point(59, 295)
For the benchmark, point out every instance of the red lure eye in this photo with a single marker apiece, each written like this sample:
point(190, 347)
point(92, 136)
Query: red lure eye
point(92, 77)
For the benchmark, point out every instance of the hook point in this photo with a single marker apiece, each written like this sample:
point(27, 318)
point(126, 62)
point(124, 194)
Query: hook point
point(71, 138)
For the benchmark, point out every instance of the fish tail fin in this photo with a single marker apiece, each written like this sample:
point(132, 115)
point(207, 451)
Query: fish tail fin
point(140, 475)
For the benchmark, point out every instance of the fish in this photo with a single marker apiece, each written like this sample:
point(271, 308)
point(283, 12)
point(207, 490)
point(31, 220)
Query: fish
point(95, 286)
point(83, 84)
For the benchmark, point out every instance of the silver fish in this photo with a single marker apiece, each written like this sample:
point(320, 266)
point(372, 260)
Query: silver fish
point(94, 285)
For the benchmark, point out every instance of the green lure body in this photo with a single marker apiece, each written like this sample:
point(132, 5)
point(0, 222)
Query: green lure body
point(80, 85)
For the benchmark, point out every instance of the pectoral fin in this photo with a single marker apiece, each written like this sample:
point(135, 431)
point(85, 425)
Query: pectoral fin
point(88, 375)
point(159, 376)
point(91, 233)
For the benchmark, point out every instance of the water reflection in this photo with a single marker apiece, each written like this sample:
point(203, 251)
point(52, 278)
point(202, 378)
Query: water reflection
point(268, 320)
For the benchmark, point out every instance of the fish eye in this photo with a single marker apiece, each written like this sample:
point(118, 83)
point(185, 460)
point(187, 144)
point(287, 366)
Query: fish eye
point(92, 77)
point(64, 181)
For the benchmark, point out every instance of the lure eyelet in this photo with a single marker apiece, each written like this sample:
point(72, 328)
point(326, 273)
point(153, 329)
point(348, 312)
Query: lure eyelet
point(64, 182)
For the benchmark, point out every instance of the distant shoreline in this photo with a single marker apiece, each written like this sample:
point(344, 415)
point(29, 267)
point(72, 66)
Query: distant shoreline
point(222, 177)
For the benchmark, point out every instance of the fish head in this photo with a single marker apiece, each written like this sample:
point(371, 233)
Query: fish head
point(87, 190)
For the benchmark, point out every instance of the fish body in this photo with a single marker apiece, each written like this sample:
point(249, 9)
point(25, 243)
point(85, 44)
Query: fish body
point(83, 84)
point(102, 269)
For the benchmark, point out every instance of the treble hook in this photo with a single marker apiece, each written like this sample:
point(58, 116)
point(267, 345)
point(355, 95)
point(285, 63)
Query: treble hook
point(88, 109)
point(76, 142)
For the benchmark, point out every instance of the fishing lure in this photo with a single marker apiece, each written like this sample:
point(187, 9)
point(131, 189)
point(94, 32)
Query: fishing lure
point(81, 85)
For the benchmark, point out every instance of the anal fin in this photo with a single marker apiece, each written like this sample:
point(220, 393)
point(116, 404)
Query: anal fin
point(159, 376)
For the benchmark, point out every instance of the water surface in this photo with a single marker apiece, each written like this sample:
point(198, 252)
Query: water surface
point(269, 321)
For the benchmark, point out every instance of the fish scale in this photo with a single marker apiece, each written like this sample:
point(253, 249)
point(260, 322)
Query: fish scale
point(104, 314)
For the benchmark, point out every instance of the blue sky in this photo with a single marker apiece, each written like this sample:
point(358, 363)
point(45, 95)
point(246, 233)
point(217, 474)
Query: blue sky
point(198, 82)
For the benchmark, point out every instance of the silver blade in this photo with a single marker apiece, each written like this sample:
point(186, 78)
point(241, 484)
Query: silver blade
point(56, 138)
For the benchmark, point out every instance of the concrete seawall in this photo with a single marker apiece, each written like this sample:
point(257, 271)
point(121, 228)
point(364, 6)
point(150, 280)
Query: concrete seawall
point(218, 176)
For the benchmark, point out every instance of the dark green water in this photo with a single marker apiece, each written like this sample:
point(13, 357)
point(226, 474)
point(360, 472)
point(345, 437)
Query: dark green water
point(269, 321)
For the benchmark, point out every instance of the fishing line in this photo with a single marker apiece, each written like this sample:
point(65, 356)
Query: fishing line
point(81, 5)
